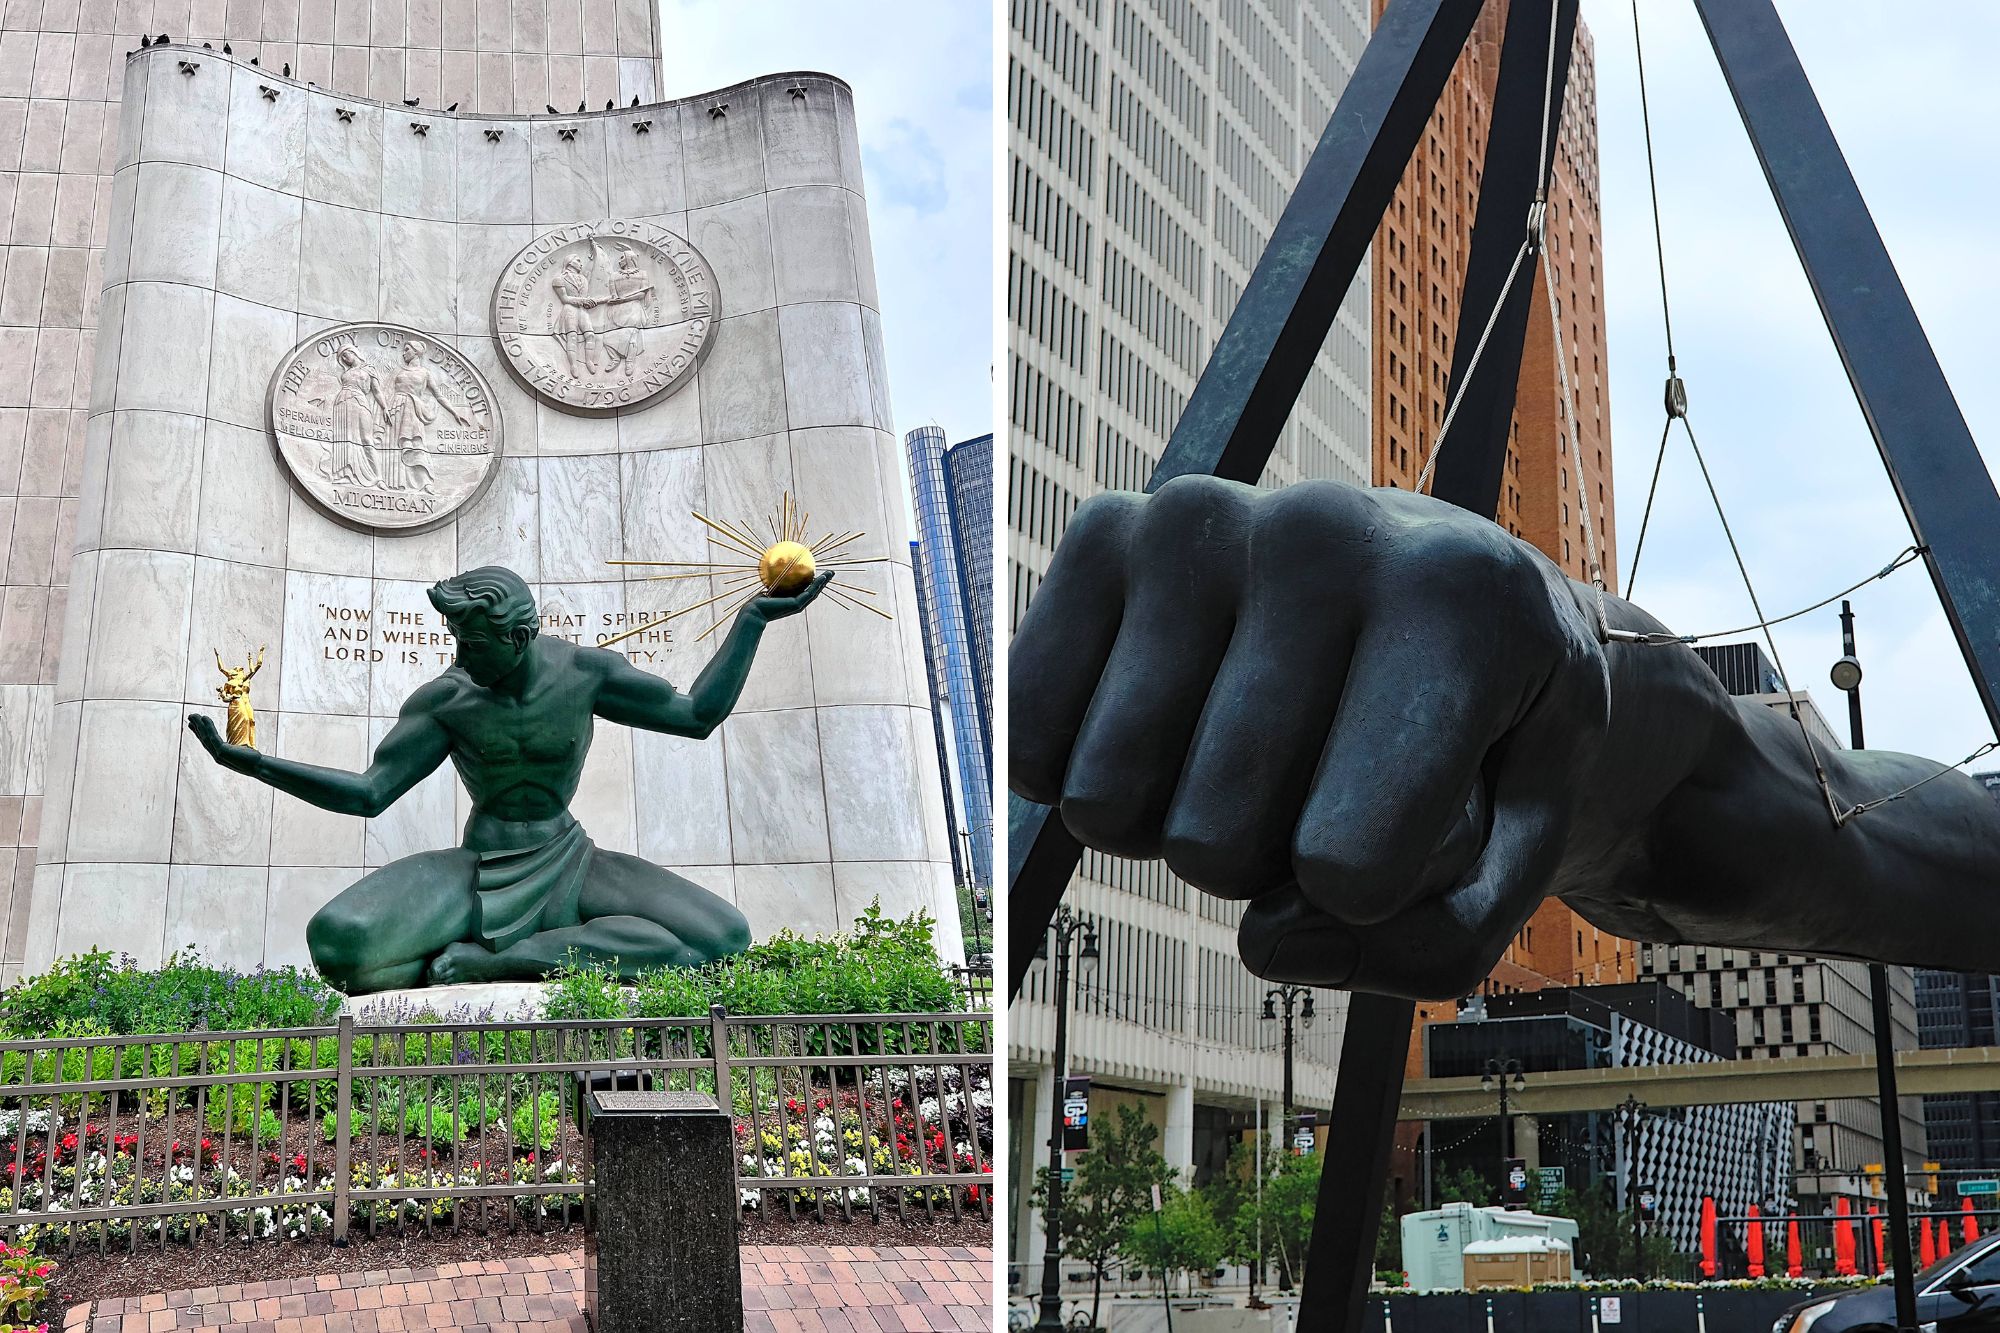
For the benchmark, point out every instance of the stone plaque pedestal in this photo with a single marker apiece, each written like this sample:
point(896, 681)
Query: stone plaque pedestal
point(660, 1254)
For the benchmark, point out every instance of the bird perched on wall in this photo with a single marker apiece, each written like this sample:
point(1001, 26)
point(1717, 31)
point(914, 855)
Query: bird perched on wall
point(288, 69)
point(552, 110)
point(253, 60)
point(452, 107)
point(411, 101)
point(161, 40)
point(225, 49)
point(579, 104)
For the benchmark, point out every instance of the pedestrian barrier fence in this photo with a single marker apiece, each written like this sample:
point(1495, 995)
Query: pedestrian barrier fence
point(420, 1125)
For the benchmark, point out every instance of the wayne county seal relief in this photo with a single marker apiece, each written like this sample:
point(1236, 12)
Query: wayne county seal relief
point(605, 317)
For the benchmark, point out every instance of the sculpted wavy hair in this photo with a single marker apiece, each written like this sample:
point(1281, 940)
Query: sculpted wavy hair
point(496, 595)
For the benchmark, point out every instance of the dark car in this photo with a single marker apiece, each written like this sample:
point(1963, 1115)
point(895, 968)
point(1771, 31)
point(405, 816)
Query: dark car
point(1960, 1293)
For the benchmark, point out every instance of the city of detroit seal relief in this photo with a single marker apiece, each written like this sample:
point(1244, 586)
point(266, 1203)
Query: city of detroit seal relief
point(605, 317)
point(382, 427)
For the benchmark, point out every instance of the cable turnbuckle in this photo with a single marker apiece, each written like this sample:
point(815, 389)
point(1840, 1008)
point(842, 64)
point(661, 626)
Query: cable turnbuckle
point(1676, 397)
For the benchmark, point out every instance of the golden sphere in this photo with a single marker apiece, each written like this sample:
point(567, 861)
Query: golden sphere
point(786, 569)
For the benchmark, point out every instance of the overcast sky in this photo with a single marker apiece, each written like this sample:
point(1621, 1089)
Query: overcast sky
point(922, 74)
point(1907, 89)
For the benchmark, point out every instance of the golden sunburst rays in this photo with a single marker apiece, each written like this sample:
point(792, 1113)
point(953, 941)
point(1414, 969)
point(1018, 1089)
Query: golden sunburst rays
point(780, 568)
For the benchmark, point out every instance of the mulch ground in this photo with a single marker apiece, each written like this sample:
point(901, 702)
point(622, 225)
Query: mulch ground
point(90, 1276)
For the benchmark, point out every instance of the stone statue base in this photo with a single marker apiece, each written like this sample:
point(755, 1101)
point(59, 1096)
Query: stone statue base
point(473, 1002)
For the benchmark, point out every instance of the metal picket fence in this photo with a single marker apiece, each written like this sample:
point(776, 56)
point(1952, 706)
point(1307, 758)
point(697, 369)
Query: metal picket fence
point(329, 1131)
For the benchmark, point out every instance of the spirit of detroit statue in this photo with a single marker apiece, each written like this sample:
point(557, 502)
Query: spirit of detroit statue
point(527, 889)
point(1393, 730)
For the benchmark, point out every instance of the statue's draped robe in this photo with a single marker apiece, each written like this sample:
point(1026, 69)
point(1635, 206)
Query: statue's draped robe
point(526, 890)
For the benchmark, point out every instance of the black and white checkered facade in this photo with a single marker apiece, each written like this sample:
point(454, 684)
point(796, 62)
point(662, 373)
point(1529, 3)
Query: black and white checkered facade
point(1738, 1155)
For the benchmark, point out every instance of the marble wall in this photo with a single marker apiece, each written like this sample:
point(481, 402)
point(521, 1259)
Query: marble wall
point(240, 224)
point(62, 72)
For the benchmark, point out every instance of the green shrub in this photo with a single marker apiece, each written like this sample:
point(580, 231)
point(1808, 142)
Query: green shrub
point(538, 1123)
point(880, 966)
point(183, 995)
point(582, 989)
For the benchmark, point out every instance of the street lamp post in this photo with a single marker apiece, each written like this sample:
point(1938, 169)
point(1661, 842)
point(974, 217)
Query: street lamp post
point(1847, 678)
point(1506, 1075)
point(1289, 997)
point(1632, 1106)
point(1066, 929)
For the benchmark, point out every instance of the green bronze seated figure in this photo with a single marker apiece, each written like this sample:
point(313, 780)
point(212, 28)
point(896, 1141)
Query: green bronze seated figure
point(527, 889)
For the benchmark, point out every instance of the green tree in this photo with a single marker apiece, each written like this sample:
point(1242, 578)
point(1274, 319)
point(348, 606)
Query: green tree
point(1183, 1238)
point(1113, 1185)
point(1233, 1199)
point(1389, 1240)
point(1291, 1192)
point(1465, 1185)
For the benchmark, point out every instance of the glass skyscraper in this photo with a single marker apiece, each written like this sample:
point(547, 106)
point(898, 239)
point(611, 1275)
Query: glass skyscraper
point(968, 479)
point(953, 578)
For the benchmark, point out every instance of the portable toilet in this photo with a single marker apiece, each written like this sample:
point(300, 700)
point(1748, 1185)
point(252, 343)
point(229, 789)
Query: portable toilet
point(1518, 1261)
point(1435, 1240)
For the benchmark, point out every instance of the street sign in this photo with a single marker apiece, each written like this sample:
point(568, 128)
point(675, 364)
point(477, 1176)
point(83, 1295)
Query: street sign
point(1076, 1113)
point(1548, 1183)
point(1609, 1311)
point(1069, 1174)
point(1979, 1187)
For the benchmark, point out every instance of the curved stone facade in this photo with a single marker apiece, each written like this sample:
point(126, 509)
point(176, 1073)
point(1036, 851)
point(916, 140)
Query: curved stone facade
point(249, 212)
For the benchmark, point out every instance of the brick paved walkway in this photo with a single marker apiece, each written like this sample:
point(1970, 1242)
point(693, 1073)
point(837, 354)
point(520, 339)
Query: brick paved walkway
point(786, 1289)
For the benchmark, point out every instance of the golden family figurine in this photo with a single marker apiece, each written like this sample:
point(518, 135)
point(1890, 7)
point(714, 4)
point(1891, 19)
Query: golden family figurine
point(235, 691)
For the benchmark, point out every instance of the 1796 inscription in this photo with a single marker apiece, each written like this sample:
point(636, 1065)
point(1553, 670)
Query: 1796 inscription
point(382, 427)
point(605, 317)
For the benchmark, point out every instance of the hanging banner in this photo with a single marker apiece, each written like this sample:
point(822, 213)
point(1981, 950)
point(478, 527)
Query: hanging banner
point(1514, 1186)
point(1076, 1113)
point(1303, 1138)
point(1649, 1203)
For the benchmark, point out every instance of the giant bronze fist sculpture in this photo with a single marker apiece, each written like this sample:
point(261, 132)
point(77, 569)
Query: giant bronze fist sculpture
point(1394, 730)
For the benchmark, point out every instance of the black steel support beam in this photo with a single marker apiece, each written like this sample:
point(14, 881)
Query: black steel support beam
point(1935, 467)
point(1471, 471)
point(1340, 1258)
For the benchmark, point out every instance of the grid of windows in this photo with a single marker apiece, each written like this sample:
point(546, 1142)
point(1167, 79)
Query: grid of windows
point(948, 618)
point(968, 480)
point(1203, 112)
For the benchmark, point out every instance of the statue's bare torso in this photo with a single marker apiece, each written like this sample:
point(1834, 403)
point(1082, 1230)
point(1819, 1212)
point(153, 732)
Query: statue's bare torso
point(526, 891)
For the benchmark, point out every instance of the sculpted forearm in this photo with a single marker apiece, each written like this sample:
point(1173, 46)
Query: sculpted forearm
point(715, 692)
point(1704, 822)
point(366, 794)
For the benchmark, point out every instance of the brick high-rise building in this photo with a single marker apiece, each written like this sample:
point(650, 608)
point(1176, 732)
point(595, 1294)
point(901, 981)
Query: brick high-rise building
point(1419, 269)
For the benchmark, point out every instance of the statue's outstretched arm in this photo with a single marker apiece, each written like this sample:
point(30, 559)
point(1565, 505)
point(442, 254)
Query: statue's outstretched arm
point(1395, 730)
point(411, 752)
point(637, 698)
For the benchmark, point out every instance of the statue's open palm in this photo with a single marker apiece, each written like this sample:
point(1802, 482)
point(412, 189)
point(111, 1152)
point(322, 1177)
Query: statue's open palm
point(1367, 712)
